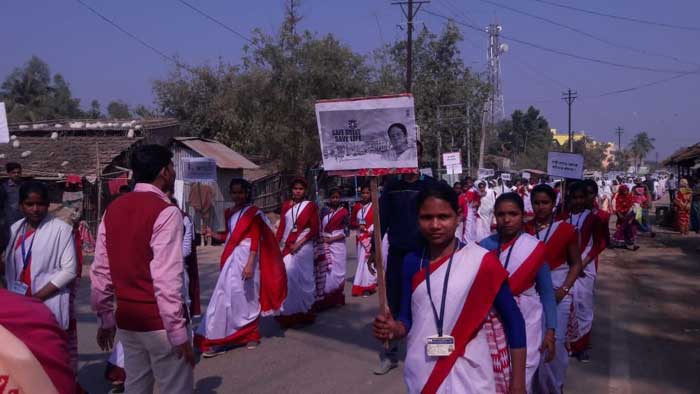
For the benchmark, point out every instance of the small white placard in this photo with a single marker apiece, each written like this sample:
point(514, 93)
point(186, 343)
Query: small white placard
point(454, 170)
point(486, 172)
point(565, 165)
point(451, 159)
point(526, 175)
point(505, 176)
point(199, 169)
point(4, 129)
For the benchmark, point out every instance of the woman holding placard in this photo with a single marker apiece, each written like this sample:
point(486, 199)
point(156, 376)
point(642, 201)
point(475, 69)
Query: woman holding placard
point(451, 294)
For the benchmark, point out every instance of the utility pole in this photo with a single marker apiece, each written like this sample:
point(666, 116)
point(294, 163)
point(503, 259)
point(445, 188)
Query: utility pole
point(409, 13)
point(569, 98)
point(619, 130)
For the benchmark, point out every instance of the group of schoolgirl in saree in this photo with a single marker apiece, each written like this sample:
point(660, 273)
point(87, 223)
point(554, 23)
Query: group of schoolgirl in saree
point(291, 274)
point(502, 315)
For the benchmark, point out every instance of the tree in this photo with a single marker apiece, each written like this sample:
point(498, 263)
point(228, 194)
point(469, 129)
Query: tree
point(95, 112)
point(639, 148)
point(594, 153)
point(440, 78)
point(144, 112)
point(265, 106)
point(118, 110)
point(525, 137)
point(27, 92)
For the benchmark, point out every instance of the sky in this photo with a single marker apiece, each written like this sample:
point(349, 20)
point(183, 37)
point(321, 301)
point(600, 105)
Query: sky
point(102, 63)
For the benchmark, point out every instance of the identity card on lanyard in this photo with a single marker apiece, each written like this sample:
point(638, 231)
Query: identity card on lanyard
point(439, 345)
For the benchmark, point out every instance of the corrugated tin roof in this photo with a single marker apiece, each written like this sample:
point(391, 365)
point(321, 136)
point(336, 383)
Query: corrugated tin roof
point(226, 158)
point(684, 154)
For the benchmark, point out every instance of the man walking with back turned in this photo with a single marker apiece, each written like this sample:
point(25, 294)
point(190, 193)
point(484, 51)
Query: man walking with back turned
point(138, 261)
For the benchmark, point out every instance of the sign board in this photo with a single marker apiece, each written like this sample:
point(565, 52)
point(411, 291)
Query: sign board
point(565, 165)
point(4, 130)
point(451, 159)
point(199, 169)
point(454, 169)
point(505, 176)
point(486, 172)
point(368, 133)
point(526, 175)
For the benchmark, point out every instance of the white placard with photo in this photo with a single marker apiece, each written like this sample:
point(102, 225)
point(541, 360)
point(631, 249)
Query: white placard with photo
point(565, 165)
point(367, 133)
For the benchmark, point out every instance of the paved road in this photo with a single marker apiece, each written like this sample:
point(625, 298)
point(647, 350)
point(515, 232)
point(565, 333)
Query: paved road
point(646, 336)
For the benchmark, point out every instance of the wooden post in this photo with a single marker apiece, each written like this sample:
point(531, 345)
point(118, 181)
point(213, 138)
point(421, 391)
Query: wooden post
point(378, 262)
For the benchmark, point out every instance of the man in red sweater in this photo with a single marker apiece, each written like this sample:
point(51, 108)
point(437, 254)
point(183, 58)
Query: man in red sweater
point(139, 262)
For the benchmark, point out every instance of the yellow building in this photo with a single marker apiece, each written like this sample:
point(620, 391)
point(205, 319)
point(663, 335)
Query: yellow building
point(563, 138)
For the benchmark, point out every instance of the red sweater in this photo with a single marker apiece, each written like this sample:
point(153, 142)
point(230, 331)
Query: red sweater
point(129, 227)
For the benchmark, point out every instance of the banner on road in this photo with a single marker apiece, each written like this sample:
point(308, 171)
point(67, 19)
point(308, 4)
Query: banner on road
point(368, 133)
point(4, 130)
point(198, 169)
point(565, 165)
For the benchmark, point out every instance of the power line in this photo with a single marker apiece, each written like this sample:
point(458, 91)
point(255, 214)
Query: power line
point(644, 85)
point(620, 17)
point(137, 39)
point(572, 55)
point(211, 18)
point(589, 35)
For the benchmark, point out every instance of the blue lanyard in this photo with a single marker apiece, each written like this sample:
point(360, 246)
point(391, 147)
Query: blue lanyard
point(509, 250)
point(26, 256)
point(439, 319)
point(546, 235)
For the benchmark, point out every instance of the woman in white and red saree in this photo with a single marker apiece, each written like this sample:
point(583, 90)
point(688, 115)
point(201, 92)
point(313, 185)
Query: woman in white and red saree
point(297, 233)
point(457, 311)
point(333, 223)
point(469, 203)
point(361, 219)
point(591, 244)
point(523, 256)
point(564, 260)
point(252, 282)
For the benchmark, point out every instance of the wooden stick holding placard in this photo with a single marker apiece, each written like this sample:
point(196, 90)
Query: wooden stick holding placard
point(378, 258)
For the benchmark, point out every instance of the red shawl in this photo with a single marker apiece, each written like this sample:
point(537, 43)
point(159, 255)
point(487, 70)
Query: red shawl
point(273, 277)
point(624, 200)
point(308, 219)
point(337, 220)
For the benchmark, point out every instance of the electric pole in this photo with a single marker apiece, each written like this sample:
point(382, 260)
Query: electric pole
point(569, 97)
point(409, 13)
point(619, 130)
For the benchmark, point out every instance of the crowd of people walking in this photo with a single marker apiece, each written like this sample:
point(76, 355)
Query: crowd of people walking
point(490, 286)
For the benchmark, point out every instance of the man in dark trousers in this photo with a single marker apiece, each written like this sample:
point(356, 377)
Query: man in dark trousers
point(399, 219)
